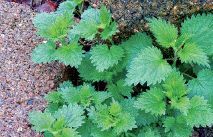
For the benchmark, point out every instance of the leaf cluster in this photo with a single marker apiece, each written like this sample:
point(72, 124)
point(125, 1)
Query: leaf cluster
point(179, 93)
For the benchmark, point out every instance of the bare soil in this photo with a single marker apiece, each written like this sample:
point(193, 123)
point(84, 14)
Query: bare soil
point(22, 83)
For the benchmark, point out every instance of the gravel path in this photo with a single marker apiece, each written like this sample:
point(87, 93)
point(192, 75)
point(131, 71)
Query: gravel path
point(22, 83)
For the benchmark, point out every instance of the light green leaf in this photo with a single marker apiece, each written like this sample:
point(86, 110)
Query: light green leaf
point(103, 58)
point(177, 127)
point(165, 33)
point(191, 53)
point(105, 17)
point(174, 85)
point(109, 31)
point(44, 53)
point(199, 28)
point(136, 43)
point(202, 85)
point(199, 113)
point(66, 6)
point(91, 15)
point(69, 55)
point(69, 132)
point(152, 101)
point(84, 31)
point(72, 114)
point(78, 1)
point(54, 97)
point(126, 123)
point(149, 67)
point(51, 25)
point(181, 104)
point(41, 121)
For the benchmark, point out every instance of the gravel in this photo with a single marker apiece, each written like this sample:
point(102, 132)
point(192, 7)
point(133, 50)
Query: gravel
point(22, 83)
point(131, 14)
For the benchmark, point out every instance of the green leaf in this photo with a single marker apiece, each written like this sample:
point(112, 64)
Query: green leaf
point(149, 67)
point(69, 132)
point(44, 53)
point(191, 53)
point(91, 15)
point(174, 85)
point(72, 114)
point(199, 28)
point(112, 117)
point(66, 6)
point(41, 121)
point(181, 104)
point(109, 31)
point(84, 31)
point(51, 25)
point(119, 90)
point(165, 32)
point(149, 132)
point(58, 125)
point(177, 127)
point(145, 118)
point(89, 73)
point(54, 97)
point(105, 17)
point(103, 58)
point(69, 55)
point(136, 43)
point(202, 85)
point(152, 101)
point(78, 1)
point(126, 123)
point(199, 113)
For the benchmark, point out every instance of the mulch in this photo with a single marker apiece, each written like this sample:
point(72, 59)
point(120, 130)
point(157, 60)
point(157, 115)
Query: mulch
point(22, 83)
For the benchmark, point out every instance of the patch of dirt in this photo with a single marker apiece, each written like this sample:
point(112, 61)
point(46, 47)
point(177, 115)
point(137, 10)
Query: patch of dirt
point(22, 83)
point(131, 14)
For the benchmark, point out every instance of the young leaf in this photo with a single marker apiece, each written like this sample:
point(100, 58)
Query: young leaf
point(109, 31)
point(152, 101)
point(181, 104)
point(199, 33)
point(174, 85)
point(84, 31)
point(69, 55)
point(105, 17)
point(44, 53)
point(72, 114)
point(202, 85)
point(69, 132)
point(199, 113)
point(177, 127)
point(51, 25)
point(191, 53)
point(149, 67)
point(112, 116)
point(67, 6)
point(103, 58)
point(41, 121)
point(165, 33)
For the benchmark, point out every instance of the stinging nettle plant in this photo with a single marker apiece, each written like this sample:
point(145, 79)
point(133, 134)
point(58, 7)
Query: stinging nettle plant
point(177, 73)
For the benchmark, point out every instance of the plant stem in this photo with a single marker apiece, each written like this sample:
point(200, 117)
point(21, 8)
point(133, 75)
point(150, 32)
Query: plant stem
point(188, 75)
